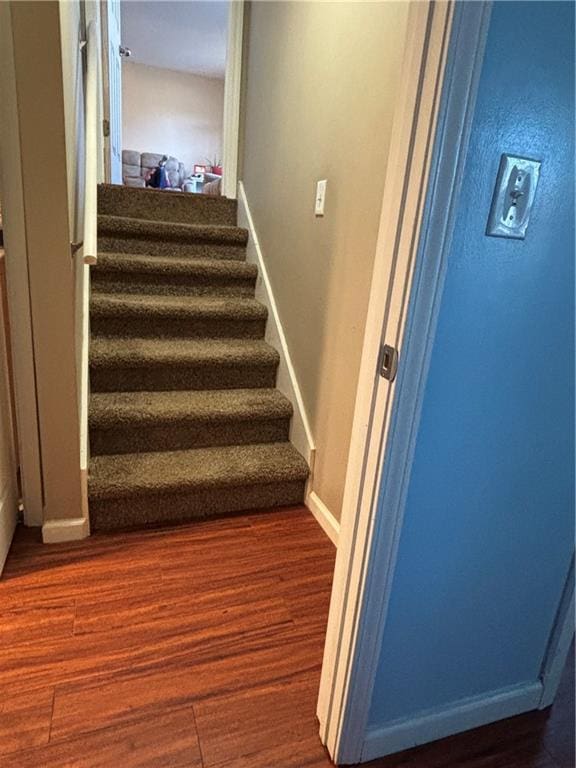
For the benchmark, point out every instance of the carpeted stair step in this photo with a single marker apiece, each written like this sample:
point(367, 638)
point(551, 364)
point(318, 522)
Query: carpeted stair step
point(131, 490)
point(129, 422)
point(136, 273)
point(124, 234)
point(113, 314)
point(184, 419)
point(134, 364)
point(157, 204)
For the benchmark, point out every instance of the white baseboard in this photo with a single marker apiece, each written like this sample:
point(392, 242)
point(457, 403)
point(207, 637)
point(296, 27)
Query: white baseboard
point(71, 529)
point(324, 517)
point(286, 382)
point(461, 716)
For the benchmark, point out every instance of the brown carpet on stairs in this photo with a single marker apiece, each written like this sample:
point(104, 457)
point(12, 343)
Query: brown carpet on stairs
point(116, 200)
point(160, 238)
point(185, 420)
point(172, 276)
point(126, 422)
point(177, 316)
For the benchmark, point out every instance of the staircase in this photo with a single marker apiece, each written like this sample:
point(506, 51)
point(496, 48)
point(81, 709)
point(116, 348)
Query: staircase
point(185, 421)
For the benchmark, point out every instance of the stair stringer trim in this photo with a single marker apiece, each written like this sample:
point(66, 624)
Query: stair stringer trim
point(287, 382)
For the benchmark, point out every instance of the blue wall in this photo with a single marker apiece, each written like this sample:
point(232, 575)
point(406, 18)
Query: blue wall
point(488, 533)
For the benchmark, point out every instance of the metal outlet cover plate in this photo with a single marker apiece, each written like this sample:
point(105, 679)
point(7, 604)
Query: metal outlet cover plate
point(513, 197)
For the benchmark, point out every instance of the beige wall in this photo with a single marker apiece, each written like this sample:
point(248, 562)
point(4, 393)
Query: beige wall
point(8, 461)
point(40, 114)
point(16, 263)
point(321, 83)
point(72, 76)
point(175, 113)
point(73, 94)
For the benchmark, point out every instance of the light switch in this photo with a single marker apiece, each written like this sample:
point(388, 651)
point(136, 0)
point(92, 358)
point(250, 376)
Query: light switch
point(320, 197)
point(513, 197)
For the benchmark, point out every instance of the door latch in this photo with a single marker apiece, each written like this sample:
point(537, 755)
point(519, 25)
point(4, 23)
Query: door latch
point(388, 362)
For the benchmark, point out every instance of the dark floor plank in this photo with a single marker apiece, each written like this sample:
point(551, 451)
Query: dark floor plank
point(24, 720)
point(31, 622)
point(222, 619)
point(235, 729)
point(75, 572)
point(244, 662)
point(163, 603)
point(307, 596)
point(287, 546)
point(218, 555)
point(165, 741)
point(300, 753)
point(150, 645)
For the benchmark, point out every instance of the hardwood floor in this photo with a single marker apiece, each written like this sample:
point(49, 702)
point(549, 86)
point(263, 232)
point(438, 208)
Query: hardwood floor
point(196, 647)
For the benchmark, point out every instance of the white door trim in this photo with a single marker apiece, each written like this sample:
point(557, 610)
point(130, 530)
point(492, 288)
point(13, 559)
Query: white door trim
point(105, 87)
point(369, 535)
point(113, 116)
point(232, 95)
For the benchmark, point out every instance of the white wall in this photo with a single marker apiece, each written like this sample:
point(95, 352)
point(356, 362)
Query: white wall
point(175, 113)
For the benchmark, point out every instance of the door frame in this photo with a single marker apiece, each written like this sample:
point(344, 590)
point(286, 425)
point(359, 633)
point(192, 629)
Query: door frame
point(428, 146)
point(358, 594)
point(104, 86)
point(428, 151)
point(100, 14)
point(232, 98)
point(232, 95)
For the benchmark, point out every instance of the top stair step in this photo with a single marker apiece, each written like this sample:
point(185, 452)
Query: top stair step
point(169, 238)
point(127, 226)
point(160, 205)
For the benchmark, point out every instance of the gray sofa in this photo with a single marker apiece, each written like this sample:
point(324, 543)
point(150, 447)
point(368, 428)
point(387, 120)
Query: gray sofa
point(137, 166)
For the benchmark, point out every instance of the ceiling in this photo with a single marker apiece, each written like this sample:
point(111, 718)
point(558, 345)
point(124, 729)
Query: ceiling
point(189, 36)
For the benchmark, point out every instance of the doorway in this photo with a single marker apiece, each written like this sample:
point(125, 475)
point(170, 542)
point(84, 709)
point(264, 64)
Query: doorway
point(168, 74)
point(502, 584)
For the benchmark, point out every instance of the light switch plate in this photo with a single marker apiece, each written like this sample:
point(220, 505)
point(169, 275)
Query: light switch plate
point(513, 197)
point(320, 197)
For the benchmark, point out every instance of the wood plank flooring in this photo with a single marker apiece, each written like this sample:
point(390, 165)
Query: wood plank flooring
point(196, 647)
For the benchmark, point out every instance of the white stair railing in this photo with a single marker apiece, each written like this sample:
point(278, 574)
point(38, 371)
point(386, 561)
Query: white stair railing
point(90, 238)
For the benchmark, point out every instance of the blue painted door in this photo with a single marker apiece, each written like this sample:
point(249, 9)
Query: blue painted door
point(488, 531)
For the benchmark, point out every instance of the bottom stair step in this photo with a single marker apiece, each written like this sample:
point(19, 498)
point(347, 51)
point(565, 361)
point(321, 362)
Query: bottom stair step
point(134, 490)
